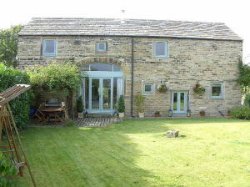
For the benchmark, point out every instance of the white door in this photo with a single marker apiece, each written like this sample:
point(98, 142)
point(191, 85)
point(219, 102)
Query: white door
point(102, 94)
point(179, 102)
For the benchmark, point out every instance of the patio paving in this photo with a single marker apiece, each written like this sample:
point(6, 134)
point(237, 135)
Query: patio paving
point(97, 121)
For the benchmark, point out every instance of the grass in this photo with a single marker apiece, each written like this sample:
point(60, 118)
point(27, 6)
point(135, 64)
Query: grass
point(210, 152)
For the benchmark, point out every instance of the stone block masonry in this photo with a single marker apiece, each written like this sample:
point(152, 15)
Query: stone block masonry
point(190, 61)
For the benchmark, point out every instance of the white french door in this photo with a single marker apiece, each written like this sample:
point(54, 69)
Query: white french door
point(179, 102)
point(101, 94)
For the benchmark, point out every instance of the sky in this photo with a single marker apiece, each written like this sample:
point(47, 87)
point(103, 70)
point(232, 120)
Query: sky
point(235, 13)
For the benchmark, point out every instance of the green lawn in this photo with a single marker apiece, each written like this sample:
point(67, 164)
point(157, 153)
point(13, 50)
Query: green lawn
point(210, 152)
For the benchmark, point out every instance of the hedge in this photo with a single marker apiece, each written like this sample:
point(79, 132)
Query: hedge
point(241, 112)
point(21, 105)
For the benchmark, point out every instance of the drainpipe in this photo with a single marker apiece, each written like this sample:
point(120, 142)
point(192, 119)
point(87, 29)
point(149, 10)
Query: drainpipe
point(132, 77)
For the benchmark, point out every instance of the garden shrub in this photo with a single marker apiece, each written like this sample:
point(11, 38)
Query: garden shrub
point(139, 103)
point(247, 100)
point(56, 77)
point(121, 104)
point(79, 105)
point(7, 171)
point(241, 112)
point(69, 123)
point(20, 106)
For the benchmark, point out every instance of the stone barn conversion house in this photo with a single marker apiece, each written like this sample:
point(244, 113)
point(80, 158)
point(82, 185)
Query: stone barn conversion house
point(196, 61)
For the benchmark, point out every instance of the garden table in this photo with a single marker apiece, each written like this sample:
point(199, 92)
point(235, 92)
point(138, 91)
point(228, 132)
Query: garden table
point(54, 113)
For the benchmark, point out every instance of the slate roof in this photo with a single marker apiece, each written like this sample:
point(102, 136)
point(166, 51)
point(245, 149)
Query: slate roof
point(128, 27)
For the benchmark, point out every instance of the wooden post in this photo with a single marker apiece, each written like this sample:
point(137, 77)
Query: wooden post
point(20, 145)
point(7, 123)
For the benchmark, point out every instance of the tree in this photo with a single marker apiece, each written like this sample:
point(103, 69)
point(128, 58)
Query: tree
point(8, 45)
point(244, 78)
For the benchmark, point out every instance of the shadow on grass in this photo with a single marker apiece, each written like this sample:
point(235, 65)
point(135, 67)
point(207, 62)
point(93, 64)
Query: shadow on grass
point(95, 156)
point(161, 125)
point(83, 157)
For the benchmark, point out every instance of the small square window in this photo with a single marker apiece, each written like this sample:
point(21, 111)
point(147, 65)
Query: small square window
point(49, 47)
point(101, 46)
point(161, 50)
point(217, 91)
point(148, 88)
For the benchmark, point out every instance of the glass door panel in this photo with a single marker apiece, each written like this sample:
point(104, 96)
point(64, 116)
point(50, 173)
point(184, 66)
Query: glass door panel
point(95, 89)
point(175, 101)
point(115, 93)
point(101, 94)
point(106, 94)
point(179, 102)
point(182, 102)
point(86, 84)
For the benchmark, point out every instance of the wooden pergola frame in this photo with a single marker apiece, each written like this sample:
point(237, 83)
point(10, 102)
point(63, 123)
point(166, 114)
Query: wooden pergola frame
point(14, 146)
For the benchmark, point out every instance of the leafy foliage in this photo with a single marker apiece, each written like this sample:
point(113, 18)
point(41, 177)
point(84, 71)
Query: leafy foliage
point(139, 103)
point(8, 45)
point(247, 100)
point(20, 106)
point(69, 123)
point(121, 104)
point(198, 89)
point(79, 105)
point(242, 112)
point(56, 76)
point(162, 88)
point(244, 78)
point(7, 171)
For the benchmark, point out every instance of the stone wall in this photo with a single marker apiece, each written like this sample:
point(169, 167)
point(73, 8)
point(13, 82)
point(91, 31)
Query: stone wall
point(190, 60)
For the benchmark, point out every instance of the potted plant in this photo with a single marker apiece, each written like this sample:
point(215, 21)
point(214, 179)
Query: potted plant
point(139, 102)
point(157, 114)
point(198, 89)
point(121, 106)
point(79, 107)
point(162, 88)
point(202, 113)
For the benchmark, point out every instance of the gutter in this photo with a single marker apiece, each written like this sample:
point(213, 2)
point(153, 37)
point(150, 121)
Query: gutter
point(133, 36)
point(132, 78)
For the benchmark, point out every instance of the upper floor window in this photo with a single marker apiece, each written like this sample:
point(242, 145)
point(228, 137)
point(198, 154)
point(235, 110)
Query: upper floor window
point(101, 47)
point(49, 47)
point(161, 49)
point(217, 91)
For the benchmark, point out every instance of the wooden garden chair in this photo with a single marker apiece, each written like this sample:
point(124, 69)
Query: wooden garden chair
point(39, 114)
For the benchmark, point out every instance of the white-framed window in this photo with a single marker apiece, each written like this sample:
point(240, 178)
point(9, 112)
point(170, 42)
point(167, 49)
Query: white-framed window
point(148, 88)
point(217, 91)
point(161, 50)
point(49, 47)
point(101, 46)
